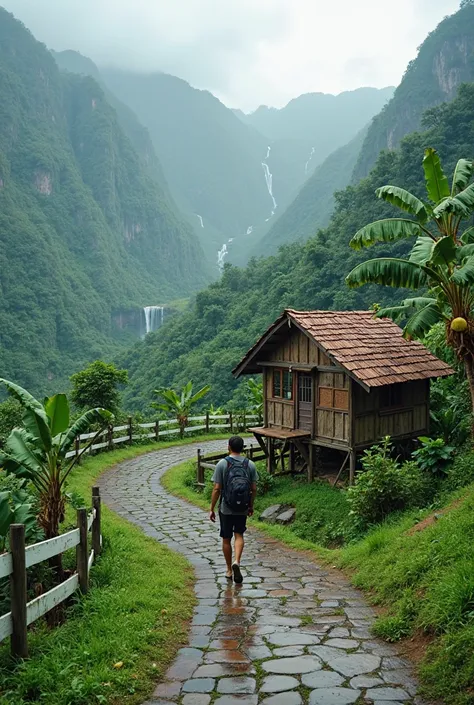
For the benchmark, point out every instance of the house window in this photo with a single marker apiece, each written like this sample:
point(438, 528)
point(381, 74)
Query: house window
point(332, 398)
point(391, 396)
point(282, 384)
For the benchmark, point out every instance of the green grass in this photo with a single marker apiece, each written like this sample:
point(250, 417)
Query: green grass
point(137, 613)
point(424, 579)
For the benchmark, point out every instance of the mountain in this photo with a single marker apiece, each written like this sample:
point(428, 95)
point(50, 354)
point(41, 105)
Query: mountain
point(87, 237)
point(224, 320)
point(324, 121)
point(444, 61)
point(313, 206)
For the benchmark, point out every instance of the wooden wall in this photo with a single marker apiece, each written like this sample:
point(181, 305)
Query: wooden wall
point(332, 406)
point(298, 348)
point(408, 418)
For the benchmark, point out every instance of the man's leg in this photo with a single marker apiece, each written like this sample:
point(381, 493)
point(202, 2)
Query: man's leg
point(227, 551)
point(239, 547)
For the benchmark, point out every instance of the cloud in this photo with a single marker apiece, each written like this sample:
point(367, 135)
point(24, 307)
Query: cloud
point(247, 52)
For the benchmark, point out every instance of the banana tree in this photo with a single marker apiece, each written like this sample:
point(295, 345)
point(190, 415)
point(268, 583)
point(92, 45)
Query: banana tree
point(37, 451)
point(179, 403)
point(255, 396)
point(441, 262)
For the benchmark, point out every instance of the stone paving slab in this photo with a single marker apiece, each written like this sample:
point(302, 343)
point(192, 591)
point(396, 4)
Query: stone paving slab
point(291, 634)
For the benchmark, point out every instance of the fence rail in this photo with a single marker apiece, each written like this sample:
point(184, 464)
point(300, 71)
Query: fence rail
point(20, 557)
point(207, 423)
point(209, 461)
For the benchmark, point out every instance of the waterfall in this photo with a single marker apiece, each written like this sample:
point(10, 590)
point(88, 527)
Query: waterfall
point(269, 181)
point(221, 255)
point(154, 317)
point(249, 230)
point(200, 219)
point(309, 159)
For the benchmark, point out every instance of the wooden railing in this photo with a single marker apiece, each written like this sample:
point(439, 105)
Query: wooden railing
point(209, 461)
point(20, 557)
point(157, 430)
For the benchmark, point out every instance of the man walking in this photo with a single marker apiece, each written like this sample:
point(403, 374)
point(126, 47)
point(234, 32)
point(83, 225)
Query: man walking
point(235, 483)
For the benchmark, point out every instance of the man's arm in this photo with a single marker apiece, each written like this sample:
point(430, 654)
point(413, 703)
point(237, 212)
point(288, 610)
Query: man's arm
point(216, 493)
point(252, 498)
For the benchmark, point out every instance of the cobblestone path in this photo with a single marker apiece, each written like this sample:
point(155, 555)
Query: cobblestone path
point(293, 633)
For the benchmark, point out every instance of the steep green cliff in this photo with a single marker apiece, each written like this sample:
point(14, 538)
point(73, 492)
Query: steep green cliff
point(207, 341)
point(444, 61)
point(85, 232)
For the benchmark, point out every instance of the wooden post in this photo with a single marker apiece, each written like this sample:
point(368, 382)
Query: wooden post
point(352, 465)
point(244, 423)
point(110, 436)
point(82, 556)
point(96, 524)
point(77, 446)
point(157, 430)
point(310, 463)
point(207, 421)
point(231, 422)
point(19, 638)
point(200, 471)
point(271, 455)
point(292, 457)
point(130, 430)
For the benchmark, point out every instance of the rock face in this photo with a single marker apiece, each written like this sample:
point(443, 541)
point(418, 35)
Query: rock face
point(278, 514)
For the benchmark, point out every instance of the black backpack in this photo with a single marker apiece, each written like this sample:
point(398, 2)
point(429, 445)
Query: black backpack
point(237, 485)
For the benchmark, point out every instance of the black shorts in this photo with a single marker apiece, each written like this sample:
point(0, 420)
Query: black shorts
point(232, 524)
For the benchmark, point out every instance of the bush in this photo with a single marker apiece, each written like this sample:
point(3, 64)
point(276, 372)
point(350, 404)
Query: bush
point(461, 472)
point(434, 455)
point(385, 486)
point(11, 415)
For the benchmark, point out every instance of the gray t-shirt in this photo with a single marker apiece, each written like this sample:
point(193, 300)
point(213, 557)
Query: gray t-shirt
point(219, 475)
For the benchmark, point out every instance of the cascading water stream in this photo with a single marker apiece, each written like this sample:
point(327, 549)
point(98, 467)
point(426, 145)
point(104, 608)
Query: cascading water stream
point(309, 159)
point(154, 317)
point(269, 181)
point(200, 219)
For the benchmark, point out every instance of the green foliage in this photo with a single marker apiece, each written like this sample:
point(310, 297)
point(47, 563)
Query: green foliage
point(428, 81)
point(179, 404)
point(434, 455)
point(384, 486)
point(17, 506)
point(80, 212)
point(461, 472)
point(10, 416)
point(38, 451)
point(98, 386)
point(302, 276)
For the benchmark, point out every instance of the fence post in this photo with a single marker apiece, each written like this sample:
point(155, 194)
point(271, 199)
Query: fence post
point(110, 434)
point(207, 421)
point(130, 430)
point(96, 524)
point(82, 557)
point(77, 447)
point(19, 638)
point(199, 469)
point(244, 423)
point(231, 422)
point(157, 430)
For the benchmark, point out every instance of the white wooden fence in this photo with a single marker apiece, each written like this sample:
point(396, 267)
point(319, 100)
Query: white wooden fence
point(20, 557)
point(157, 430)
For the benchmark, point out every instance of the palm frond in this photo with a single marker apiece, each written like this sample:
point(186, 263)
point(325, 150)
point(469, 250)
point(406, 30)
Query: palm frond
point(462, 175)
point(386, 230)
point(464, 276)
point(467, 236)
point(444, 251)
point(82, 424)
point(422, 250)
point(437, 185)
point(405, 200)
point(423, 320)
point(388, 271)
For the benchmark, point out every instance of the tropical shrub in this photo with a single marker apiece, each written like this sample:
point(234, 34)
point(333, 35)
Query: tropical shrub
point(385, 486)
point(433, 456)
point(179, 404)
point(10, 416)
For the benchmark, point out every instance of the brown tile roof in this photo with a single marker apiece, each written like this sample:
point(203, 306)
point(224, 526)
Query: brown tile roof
point(371, 349)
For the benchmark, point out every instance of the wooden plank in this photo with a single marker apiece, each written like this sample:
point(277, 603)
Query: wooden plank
point(6, 626)
point(122, 439)
point(209, 466)
point(341, 470)
point(82, 553)
point(5, 565)
point(18, 594)
point(97, 525)
point(44, 550)
point(117, 429)
point(189, 429)
point(91, 560)
point(280, 433)
point(169, 431)
point(90, 519)
point(44, 603)
point(141, 425)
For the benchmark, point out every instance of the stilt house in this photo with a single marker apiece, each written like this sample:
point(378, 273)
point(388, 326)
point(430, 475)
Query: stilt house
point(341, 380)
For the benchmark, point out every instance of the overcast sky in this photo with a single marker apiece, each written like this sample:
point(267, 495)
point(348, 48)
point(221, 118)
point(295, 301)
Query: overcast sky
point(247, 52)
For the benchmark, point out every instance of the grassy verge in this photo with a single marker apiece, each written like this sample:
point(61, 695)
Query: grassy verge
point(118, 640)
point(422, 573)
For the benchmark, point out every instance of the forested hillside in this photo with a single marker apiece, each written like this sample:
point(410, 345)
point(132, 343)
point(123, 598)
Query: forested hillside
point(85, 232)
point(314, 204)
point(444, 61)
point(209, 338)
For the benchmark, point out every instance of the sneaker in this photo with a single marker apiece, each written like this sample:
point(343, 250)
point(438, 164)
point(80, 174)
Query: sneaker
point(237, 574)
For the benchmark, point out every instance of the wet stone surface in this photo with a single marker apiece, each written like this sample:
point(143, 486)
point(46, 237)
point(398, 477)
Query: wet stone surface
point(292, 634)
